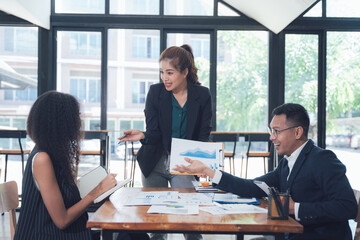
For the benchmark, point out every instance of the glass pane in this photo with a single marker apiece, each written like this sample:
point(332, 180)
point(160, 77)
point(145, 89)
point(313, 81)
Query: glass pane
point(132, 68)
point(139, 125)
point(343, 100)
point(301, 75)
point(143, 7)
point(242, 77)
point(315, 11)
point(79, 72)
point(225, 11)
point(18, 89)
point(80, 6)
point(189, 7)
point(342, 8)
point(200, 44)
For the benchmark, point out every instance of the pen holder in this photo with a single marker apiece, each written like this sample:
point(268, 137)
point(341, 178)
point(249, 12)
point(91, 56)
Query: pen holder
point(278, 206)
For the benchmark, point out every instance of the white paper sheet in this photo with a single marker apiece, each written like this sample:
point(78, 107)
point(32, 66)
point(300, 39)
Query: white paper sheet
point(153, 198)
point(196, 198)
point(233, 209)
point(232, 198)
point(211, 154)
point(174, 209)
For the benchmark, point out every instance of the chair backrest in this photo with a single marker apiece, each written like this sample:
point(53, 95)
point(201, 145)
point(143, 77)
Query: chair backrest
point(18, 134)
point(95, 135)
point(225, 137)
point(103, 138)
point(256, 137)
point(9, 201)
point(12, 134)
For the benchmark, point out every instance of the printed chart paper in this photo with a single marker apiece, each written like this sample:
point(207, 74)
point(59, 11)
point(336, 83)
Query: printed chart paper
point(174, 209)
point(210, 153)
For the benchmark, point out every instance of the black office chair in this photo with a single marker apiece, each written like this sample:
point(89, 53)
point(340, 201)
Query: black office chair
point(15, 134)
point(256, 137)
point(227, 137)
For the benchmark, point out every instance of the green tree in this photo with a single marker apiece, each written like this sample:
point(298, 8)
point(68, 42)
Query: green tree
point(301, 70)
point(242, 81)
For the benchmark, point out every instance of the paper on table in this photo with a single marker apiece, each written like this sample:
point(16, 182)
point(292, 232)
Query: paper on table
point(210, 153)
point(275, 14)
point(152, 198)
point(233, 209)
point(196, 198)
point(174, 209)
point(232, 198)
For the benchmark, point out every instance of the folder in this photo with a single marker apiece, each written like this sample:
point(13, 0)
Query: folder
point(209, 153)
point(90, 180)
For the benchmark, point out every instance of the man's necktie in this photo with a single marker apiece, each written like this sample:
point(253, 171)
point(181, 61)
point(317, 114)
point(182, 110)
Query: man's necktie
point(286, 170)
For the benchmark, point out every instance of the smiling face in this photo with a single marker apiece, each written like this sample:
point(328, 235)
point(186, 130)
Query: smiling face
point(173, 79)
point(287, 141)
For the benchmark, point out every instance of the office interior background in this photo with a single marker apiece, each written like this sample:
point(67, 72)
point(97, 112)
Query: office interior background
point(105, 53)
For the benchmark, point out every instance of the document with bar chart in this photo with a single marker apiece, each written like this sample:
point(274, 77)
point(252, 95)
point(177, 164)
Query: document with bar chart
point(210, 153)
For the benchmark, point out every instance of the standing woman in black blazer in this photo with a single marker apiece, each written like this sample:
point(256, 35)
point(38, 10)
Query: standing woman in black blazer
point(178, 107)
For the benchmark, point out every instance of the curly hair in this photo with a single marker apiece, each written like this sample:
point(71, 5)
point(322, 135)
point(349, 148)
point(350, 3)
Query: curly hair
point(182, 58)
point(54, 125)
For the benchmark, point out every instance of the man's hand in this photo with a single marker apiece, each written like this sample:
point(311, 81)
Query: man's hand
point(195, 167)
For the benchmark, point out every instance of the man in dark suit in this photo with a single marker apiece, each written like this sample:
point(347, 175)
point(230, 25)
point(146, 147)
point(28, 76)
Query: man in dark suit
point(322, 199)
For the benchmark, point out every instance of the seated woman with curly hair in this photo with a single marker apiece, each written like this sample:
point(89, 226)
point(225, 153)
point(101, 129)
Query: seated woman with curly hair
point(51, 204)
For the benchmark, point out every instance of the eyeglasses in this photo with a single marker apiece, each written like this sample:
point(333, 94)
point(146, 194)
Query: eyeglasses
point(276, 132)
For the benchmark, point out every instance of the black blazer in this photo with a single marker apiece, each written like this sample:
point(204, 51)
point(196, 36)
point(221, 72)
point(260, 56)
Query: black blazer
point(318, 182)
point(158, 114)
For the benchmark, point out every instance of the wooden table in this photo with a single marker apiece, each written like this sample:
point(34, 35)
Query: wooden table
point(136, 219)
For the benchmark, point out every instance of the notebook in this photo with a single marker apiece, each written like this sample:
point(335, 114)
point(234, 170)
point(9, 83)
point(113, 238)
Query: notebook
point(90, 180)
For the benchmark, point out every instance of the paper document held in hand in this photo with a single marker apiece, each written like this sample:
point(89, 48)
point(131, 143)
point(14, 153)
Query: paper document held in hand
point(90, 180)
point(209, 153)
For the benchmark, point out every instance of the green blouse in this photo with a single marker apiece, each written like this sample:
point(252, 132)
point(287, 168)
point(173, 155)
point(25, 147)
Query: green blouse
point(178, 125)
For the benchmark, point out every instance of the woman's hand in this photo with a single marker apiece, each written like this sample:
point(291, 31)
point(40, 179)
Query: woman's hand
point(132, 135)
point(107, 183)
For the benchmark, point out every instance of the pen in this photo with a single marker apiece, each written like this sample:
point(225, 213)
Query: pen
point(120, 138)
point(219, 205)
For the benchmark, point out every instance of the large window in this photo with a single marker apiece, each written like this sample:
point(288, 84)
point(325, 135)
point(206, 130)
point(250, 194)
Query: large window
point(85, 43)
point(18, 89)
point(342, 8)
point(189, 7)
point(132, 68)
point(301, 75)
point(142, 7)
point(146, 47)
point(18, 72)
point(343, 99)
point(140, 89)
point(200, 44)
point(79, 72)
point(242, 72)
point(80, 6)
point(85, 90)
